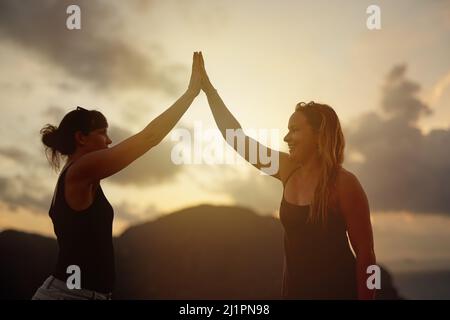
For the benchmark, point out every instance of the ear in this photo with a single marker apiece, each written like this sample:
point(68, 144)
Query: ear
point(80, 138)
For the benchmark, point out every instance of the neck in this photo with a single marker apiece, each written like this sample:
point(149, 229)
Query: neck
point(311, 164)
point(74, 156)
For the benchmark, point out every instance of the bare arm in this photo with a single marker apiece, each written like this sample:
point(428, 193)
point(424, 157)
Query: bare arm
point(100, 164)
point(251, 150)
point(355, 208)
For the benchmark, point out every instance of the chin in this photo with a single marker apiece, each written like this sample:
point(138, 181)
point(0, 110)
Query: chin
point(294, 156)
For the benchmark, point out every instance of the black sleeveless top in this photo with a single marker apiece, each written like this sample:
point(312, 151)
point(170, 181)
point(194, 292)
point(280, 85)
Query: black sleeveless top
point(319, 263)
point(84, 239)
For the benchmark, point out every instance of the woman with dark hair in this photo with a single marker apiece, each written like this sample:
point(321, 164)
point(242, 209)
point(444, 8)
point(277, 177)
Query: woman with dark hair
point(82, 216)
point(321, 203)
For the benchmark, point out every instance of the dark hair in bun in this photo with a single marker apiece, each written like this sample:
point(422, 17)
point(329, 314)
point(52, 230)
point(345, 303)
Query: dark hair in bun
point(60, 141)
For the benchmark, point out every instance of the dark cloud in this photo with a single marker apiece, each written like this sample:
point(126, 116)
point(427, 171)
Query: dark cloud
point(399, 97)
point(14, 153)
point(20, 192)
point(403, 169)
point(153, 167)
point(96, 54)
point(23, 158)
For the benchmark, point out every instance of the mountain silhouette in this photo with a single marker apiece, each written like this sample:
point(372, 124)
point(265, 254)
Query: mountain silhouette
point(202, 252)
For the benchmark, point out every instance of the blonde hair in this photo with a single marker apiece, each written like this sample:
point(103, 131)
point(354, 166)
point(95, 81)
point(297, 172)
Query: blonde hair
point(325, 122)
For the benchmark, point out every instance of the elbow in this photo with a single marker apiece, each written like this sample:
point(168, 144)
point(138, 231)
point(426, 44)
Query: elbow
point(151, 138)
point(154, 141)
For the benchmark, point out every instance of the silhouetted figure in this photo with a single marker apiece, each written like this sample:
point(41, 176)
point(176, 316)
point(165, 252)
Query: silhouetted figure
point(321, 202)
point(81, 214)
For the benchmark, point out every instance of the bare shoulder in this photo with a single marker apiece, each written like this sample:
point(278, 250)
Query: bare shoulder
point(346, 180)
point(74, 178)
point(351, 195)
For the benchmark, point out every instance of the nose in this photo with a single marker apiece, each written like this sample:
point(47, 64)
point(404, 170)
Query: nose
point(286, 137)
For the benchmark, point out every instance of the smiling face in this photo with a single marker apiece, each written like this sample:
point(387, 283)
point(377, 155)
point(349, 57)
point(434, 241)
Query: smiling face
point(301, 138)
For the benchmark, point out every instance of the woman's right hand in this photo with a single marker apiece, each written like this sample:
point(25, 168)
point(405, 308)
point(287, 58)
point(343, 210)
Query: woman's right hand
point(207, 87)
point(195, 81)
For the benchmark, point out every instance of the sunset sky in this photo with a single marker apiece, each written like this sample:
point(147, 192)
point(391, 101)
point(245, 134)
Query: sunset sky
point(390, 88)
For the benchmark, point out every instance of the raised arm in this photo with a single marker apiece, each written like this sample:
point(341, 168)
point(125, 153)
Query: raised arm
point(100, 164)
point(227, 122)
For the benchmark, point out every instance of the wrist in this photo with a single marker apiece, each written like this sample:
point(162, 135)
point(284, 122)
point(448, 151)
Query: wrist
point(190, 94)
point(210, 90)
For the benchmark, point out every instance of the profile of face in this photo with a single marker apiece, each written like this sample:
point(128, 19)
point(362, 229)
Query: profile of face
point(301, 138)
point(97, 139)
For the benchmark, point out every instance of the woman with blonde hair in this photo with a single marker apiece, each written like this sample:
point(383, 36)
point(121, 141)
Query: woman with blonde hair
point(321, 203)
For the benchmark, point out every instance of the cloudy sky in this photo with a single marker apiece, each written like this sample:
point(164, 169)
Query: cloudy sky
point(390, 88)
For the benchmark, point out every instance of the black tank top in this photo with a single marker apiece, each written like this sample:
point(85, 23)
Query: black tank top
point(319, 263)
point(84, 239)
